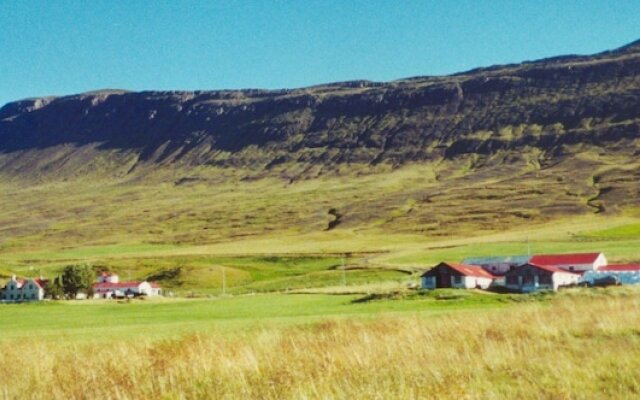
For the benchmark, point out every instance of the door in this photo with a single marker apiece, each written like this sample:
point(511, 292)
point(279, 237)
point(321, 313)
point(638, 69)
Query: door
point(444, 280)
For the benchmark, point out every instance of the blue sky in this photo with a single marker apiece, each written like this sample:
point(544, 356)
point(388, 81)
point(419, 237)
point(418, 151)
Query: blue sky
point(61, 47)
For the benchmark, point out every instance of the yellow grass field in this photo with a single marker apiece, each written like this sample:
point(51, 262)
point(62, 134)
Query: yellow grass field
point(580, 344)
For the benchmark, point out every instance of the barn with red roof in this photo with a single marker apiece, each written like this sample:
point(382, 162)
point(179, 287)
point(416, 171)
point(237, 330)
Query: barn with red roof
point(109, 286)
point(451, 275)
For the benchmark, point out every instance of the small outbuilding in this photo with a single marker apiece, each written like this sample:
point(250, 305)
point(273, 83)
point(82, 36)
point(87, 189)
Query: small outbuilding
point(450, 275)
point(532, 277)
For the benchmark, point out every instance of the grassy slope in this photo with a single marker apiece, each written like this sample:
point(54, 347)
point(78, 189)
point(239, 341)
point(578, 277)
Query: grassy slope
point(270, 234)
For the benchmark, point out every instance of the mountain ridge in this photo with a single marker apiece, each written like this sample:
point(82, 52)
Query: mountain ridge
point(546, 105)
point(494, 149)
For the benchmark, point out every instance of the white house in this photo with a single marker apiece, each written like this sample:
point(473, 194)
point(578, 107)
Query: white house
point(17, 290)
point(531, 277)
point(572, 262)
point(109, 286)
point(450, 275)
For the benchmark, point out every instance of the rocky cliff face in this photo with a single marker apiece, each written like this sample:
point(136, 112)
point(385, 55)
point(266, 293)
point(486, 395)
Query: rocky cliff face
point(551, 106)
point(478, 152)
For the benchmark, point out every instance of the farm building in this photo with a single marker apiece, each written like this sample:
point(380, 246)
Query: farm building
point(450, 275)
point(625, 274)
point(17, 290)
point(109, 286)
point(571, 262)
point(497, 265)
point(532, 277)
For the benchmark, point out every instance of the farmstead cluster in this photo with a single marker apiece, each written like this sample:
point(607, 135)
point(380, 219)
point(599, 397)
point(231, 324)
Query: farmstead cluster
point(530, 273)
point(107, 286)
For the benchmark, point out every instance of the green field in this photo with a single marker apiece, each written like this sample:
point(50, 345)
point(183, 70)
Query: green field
point(153, 319)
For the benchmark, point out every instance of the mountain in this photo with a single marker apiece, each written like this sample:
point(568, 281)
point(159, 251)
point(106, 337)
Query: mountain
point(508, 145)
point(546, 104)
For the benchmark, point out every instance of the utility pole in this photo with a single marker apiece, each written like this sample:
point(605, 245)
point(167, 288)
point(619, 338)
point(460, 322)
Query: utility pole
point(344, 273)
point(528, 247)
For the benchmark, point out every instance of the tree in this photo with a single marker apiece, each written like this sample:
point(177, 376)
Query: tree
point(55, 289)
point(77, 279)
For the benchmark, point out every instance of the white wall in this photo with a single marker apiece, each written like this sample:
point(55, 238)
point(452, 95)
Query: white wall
point(472, 282)
point(601, 261)
point(31, 291)
point(562, 279)
point(142, 288)
point(466, 282)
point(558, 279)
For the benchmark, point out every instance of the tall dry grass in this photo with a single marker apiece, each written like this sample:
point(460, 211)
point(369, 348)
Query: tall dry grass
point(573, 347)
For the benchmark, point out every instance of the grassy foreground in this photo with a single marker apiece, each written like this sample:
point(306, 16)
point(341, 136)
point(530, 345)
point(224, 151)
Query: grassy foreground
point(578, 344)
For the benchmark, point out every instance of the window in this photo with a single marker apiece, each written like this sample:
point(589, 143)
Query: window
point(457, 279)
point(527, 278)
point(512, 280)
point(545, 279)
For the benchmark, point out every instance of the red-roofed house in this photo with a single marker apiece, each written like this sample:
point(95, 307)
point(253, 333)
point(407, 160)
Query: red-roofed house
point(531, 277)
point(450, 275)
point(571, 262)
point(109, 286)
point(24, 289)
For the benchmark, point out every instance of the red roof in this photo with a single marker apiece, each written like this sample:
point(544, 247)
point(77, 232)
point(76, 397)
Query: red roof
point(119, 285)
point(620, 267)
point(470, 270)
point(552, 268)
point(19, 283)
point(41, 282)
point(565, 259)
